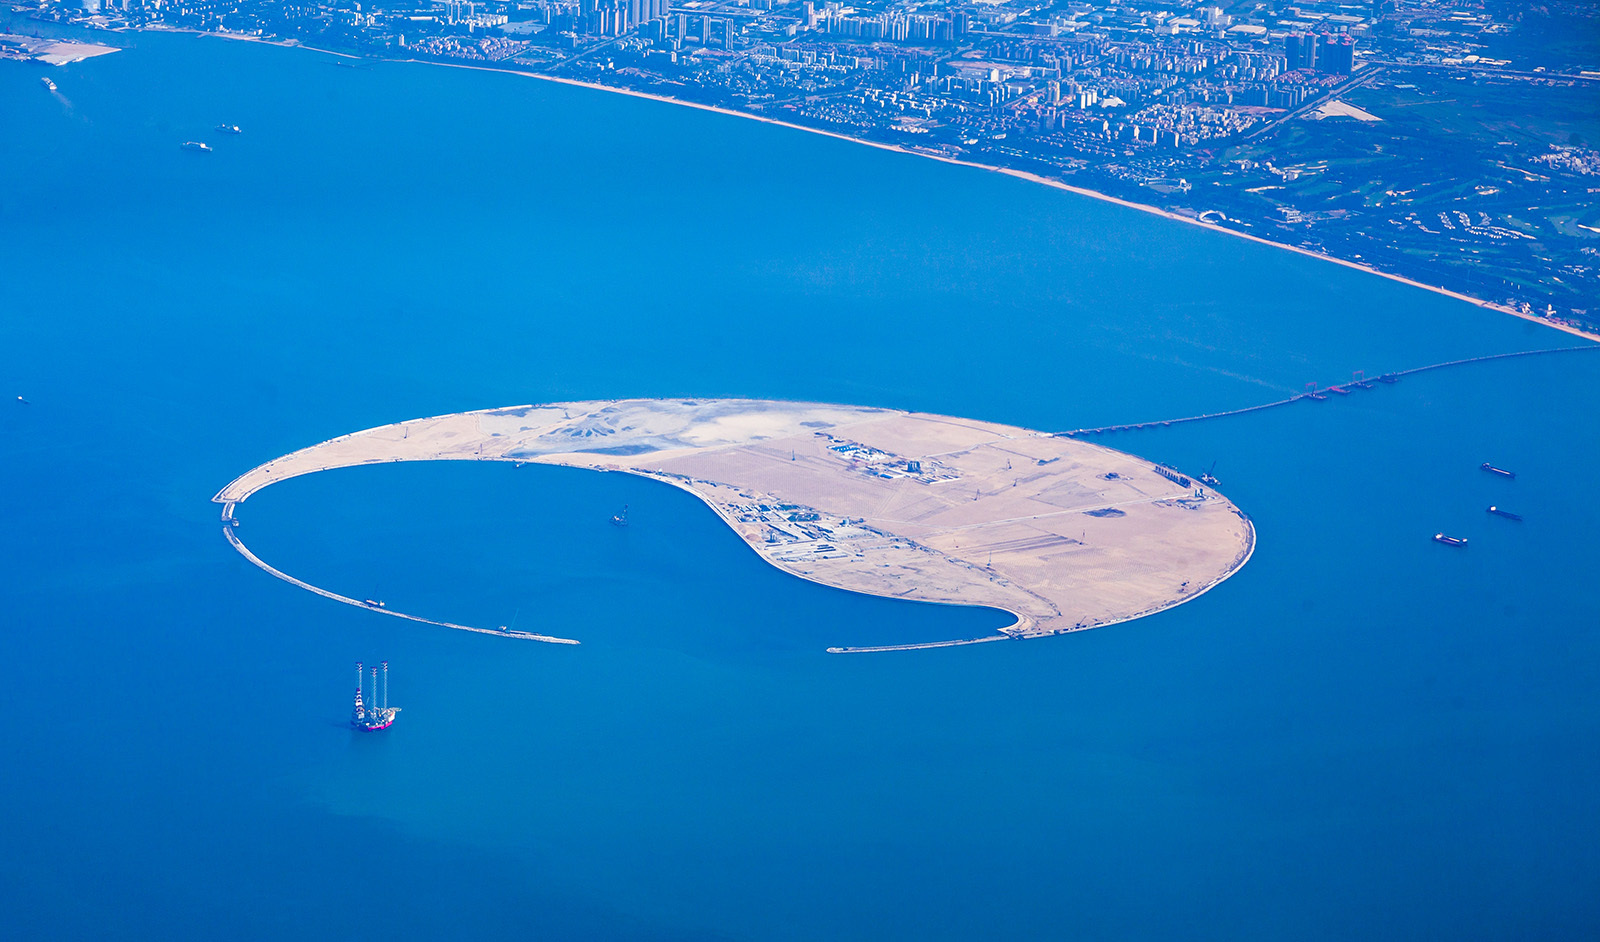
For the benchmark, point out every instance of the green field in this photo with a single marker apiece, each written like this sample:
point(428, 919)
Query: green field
point(1459, 111)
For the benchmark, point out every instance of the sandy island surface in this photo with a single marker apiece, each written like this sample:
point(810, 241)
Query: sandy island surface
point(56, 51)
point(1063, 534)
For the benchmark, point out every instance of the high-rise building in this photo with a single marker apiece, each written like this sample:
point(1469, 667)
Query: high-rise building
point(1337, 54)
point(1301, 50)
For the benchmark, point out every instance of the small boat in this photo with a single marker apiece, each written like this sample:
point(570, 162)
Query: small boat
point(229, 129)
point(506, 629)
point(1450, 540)
point(49, 86)
point(197, 146)
point(620, 520)
point(1500, 471)
point(1504, 513)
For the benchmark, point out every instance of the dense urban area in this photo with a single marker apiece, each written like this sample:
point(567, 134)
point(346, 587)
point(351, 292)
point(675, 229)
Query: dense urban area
point(1451, 143)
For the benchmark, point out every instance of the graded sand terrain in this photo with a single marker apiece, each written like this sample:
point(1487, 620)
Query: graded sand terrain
point(1063, 534)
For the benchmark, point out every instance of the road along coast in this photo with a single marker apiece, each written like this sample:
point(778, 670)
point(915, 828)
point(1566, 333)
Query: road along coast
point(1062, 534)
point(1032, 178)
point(944, 158)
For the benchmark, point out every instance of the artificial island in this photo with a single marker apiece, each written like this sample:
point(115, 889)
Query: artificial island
point(1063, 534)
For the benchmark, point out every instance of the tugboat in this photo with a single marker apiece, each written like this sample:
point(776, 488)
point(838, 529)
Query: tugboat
point(49, 86)
point(197, 146)
point(1500, 471)
point(1450, 540)
point(229, 129)
point(380, 715)
point(620, 520)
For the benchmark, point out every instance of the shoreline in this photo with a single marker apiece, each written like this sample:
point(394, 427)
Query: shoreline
point(1250, 551)
point(957, 161)
point(1035, 178)
point(896, 148)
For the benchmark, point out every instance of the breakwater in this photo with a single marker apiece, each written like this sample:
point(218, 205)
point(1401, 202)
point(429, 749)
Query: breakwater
point(228, 522)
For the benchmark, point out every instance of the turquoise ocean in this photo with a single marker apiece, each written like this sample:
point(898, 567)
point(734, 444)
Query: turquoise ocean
point(1362, 734)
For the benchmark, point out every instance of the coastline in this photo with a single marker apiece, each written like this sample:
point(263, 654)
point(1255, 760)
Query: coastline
point(1045, 181)
point(1007, 171)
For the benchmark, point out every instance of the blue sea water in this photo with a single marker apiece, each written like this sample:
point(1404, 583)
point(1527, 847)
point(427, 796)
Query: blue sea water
point(1362, 733)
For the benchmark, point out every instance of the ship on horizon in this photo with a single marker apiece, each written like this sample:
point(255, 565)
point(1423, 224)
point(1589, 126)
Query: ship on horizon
point(380, 715)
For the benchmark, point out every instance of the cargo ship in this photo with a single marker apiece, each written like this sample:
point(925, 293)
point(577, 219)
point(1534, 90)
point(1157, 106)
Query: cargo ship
point(1500, 471)
point(1504, 513)
point(196, 145)
point(379, 715)
point(1450, 540)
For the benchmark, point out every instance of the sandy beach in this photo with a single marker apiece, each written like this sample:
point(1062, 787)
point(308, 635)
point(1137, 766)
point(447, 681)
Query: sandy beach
point(1035, 178)
point(1019, 174)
